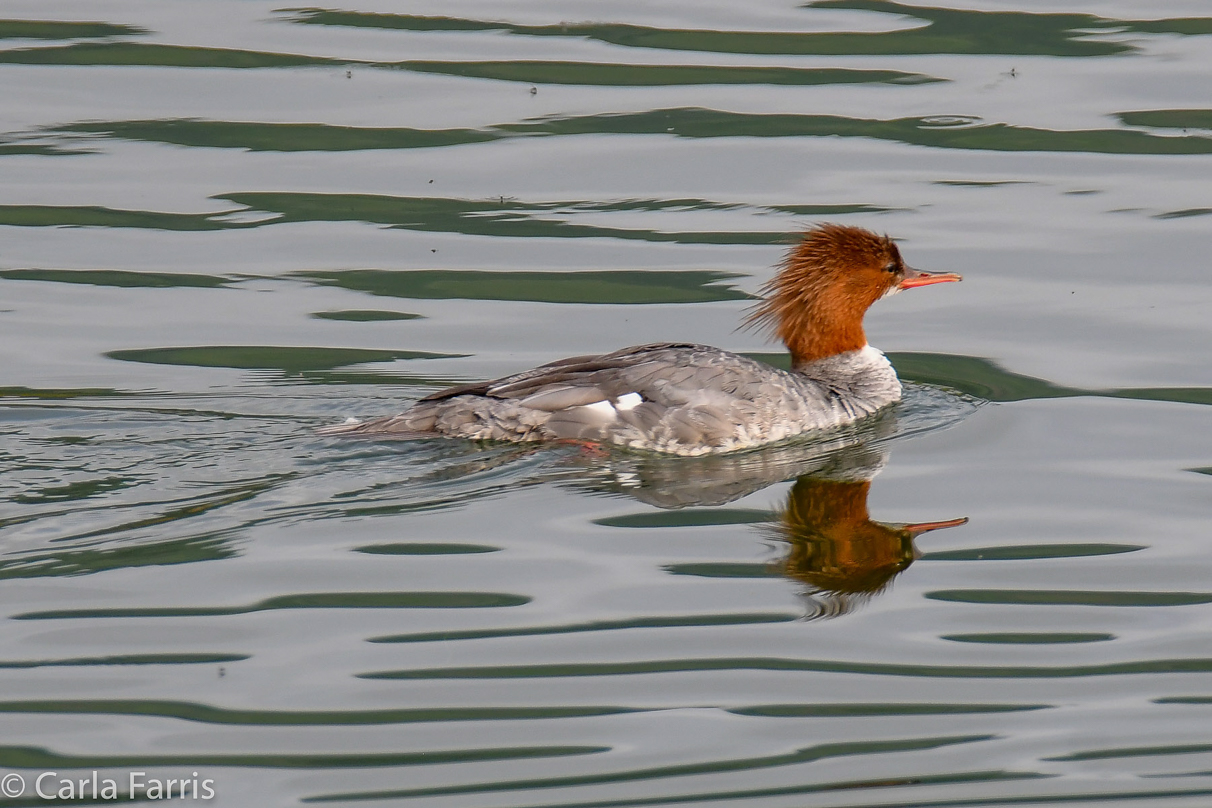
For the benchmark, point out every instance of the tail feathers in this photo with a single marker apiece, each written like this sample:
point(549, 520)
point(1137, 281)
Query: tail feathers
point(349, 425)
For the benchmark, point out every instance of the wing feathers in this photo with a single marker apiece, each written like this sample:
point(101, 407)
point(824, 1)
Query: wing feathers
point(562, 397)
point(688, 399)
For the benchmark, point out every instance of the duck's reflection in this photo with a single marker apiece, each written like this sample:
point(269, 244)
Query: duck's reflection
point(833, 547)
point(836, 549)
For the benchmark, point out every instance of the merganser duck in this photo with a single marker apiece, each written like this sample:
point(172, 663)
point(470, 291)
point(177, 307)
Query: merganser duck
point(687, 399)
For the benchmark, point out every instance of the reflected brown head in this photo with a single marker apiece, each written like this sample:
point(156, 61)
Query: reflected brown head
point(834, 547)
point(816, 301)
point(837, 550)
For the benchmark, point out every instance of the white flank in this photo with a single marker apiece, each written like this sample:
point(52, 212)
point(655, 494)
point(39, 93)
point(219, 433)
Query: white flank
point(602, 408)
point(628, 401)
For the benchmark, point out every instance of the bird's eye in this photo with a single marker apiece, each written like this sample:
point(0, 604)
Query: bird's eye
point(892, 268)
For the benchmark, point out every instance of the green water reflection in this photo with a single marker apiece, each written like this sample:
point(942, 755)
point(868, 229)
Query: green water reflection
point(26, 757)
point(207, 714)
point(288, 359)
point(364, 316)
point(54, 563)
point(621, 287)
point(55, 29)
point(801, 756)
point(312, 600)
point(528, 72)
point(944, 131)
point(118, 278)
point(951, 31)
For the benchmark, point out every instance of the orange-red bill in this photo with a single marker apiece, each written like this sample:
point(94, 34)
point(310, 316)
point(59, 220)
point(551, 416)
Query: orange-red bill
point(915, 277)
point(924, 527)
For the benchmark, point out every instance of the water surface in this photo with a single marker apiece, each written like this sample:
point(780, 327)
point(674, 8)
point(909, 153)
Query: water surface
point(225, 224)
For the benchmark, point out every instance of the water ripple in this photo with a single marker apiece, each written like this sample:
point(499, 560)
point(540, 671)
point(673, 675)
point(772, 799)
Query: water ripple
point(556, 670)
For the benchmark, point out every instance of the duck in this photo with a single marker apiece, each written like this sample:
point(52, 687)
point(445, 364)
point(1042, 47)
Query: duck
point(689, 399)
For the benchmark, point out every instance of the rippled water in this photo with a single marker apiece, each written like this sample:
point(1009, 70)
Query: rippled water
point(224, 224)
